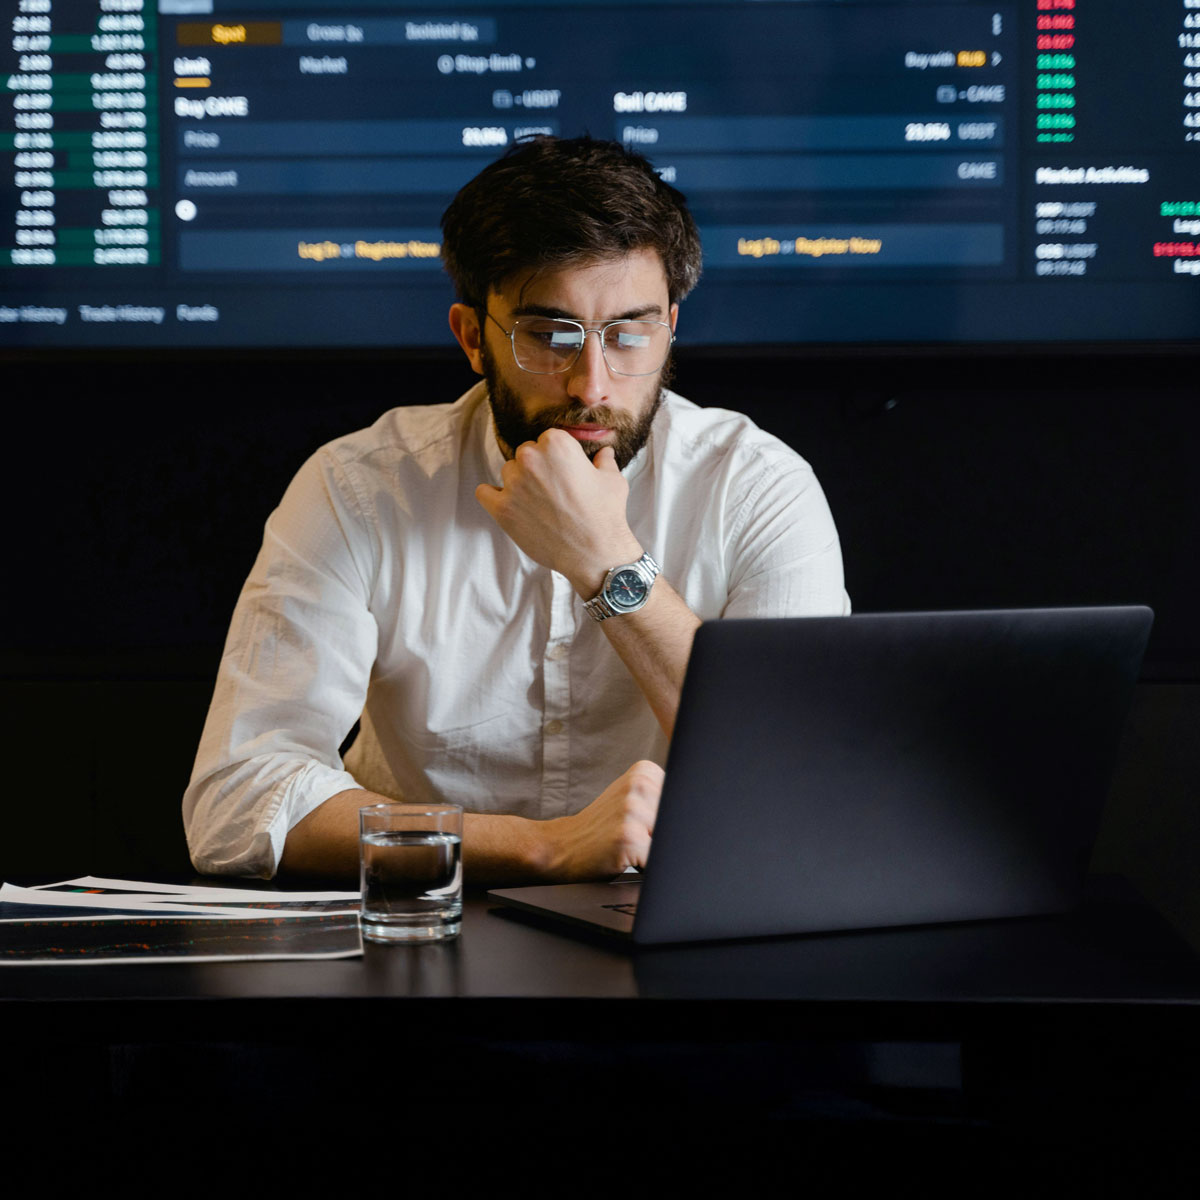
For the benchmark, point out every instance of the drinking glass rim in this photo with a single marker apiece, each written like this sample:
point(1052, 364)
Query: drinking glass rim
point(414, 810)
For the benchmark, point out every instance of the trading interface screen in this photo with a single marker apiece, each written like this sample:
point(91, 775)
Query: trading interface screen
point(272, 172)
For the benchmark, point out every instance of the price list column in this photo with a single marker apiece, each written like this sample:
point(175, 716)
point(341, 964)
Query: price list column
point(1189, 43)
point(1056, 70)
point(79, 137)
point(1180, 240)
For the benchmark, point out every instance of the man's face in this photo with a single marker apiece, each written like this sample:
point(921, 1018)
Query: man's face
point(594, 405)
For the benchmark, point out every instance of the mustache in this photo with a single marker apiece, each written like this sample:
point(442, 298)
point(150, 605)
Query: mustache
point(579, 414)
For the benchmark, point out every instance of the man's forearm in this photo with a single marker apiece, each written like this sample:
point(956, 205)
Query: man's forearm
point(599, 841)
point(496, 848)
point(326, 841)
point(655, 643)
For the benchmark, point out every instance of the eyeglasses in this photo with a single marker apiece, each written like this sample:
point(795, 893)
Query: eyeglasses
point(552, 345)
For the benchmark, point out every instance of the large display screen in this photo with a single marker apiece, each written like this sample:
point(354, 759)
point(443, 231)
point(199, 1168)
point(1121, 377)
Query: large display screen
point(240, 173)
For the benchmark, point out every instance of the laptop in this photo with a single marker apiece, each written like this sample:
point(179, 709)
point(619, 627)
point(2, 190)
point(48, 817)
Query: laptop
point(842, 773)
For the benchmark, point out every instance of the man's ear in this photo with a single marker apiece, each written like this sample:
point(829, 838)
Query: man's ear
point(673, 316)
point(464, 324)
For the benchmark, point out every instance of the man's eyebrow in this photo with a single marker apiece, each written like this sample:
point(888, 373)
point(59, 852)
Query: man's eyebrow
point(653, 311)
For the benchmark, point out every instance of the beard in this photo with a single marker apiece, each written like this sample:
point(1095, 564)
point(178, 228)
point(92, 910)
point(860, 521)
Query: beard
point(630, 433)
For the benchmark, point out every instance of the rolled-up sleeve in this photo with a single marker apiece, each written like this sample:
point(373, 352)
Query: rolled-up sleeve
point(292, 680)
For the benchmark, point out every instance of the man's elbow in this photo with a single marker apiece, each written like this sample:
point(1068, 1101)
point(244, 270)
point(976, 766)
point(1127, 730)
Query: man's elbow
point(221, 842)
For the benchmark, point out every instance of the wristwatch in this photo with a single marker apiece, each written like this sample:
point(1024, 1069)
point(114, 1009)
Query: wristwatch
point(626, 588)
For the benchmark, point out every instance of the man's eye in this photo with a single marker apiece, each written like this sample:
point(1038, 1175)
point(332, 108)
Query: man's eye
point(631, 341)
point(550, 335)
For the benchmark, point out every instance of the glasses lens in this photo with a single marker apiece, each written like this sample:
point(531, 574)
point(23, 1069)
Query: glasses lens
point(546, 346)
point(636, 347)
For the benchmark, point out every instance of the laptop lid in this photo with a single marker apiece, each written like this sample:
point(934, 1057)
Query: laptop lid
point(884, 769)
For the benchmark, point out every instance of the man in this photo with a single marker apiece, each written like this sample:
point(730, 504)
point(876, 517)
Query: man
point(506, 588)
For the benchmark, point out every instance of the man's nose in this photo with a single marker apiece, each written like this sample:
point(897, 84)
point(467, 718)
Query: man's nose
point(590, 377)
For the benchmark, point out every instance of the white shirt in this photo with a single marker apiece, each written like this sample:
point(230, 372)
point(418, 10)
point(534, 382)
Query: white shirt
point(384, 589)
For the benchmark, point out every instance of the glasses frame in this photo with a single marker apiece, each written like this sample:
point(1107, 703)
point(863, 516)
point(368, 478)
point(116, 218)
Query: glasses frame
point(599, 331)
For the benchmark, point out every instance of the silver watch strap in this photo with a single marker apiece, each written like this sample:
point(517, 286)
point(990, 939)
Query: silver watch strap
point(598, 607)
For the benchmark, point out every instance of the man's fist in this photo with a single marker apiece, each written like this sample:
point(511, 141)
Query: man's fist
point(611, 833)
point(566, 511)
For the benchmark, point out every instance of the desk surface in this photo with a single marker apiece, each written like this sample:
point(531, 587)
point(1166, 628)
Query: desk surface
point(1114, 961)
point(1085, 1023)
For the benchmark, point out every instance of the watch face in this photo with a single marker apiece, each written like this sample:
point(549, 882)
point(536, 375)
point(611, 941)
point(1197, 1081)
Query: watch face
point(627, 590)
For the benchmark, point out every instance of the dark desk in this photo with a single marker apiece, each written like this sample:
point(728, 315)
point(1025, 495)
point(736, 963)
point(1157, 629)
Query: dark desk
point(1082, 1026)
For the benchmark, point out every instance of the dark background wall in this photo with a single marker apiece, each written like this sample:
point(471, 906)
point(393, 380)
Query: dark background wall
point(138, 488)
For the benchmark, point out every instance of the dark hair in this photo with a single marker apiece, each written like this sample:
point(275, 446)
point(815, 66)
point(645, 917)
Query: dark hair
point(551, 202)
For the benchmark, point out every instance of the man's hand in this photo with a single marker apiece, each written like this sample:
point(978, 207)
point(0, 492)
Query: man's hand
point(565, 511)
point(611, 833)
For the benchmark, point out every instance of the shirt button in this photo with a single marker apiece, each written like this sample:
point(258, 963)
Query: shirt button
point(556, 652)
point(554, 726)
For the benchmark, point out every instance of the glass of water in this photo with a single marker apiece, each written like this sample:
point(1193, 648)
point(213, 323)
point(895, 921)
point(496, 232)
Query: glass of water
point(410, 871)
